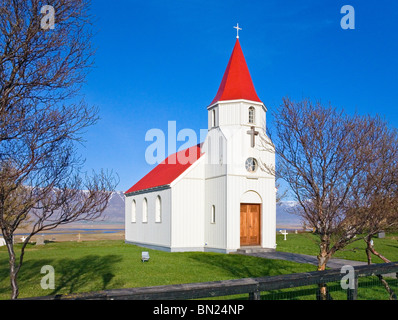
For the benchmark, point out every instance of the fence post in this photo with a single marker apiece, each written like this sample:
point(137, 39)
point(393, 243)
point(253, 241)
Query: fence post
point(352, 294)
point(254, 295)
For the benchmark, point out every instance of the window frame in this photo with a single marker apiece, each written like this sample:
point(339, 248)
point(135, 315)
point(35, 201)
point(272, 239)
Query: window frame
point(158, 209)
point(213, 214)
point(250, 163)
point(252, 115)
point(133, 211)
point(145, 210)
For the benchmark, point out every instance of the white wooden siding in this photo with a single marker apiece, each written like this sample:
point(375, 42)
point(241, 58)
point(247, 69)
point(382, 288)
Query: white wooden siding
point(187, 210)
point(151, 232)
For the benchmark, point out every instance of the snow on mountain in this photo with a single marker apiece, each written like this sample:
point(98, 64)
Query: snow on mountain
point(285, 214)
point(114, 213)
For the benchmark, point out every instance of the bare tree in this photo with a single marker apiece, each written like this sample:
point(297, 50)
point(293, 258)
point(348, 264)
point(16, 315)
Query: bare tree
point(280, 194)
point(325, 155)
point(378, 197)
point(42, 118)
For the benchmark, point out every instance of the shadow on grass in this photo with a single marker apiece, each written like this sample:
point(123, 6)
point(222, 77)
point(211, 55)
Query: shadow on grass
point(392, 246)
point(71, 275)
point(29, 270)
point(240, 266)
point(75, 274)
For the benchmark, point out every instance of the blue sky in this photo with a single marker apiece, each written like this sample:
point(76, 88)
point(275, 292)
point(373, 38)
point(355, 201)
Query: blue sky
point(160, 61)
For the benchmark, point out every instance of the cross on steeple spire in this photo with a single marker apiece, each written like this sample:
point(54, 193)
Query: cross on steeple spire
point(237, 30)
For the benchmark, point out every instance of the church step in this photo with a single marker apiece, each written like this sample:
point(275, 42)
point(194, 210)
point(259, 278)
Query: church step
point(253, 250)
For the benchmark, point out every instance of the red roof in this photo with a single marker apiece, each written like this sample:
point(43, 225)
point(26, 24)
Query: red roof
point(236, 82)
point(168, 170)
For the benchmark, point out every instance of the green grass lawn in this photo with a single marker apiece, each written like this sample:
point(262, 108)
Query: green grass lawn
point(308, 243)
point(369, 287)
point(100, 265)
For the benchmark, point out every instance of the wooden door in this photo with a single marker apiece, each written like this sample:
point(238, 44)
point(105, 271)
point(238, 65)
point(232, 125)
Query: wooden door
point(249, 224)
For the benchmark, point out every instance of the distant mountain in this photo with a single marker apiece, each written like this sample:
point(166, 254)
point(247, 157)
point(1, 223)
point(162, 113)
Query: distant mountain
point(285, 214)
point(114, 213)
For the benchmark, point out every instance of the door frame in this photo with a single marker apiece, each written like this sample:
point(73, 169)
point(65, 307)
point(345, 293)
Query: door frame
point(259, 222)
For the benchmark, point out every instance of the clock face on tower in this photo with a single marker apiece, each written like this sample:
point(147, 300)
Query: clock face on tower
point(251, 164)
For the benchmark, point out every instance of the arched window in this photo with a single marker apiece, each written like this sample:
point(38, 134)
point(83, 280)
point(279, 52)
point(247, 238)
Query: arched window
point(213, 214)
point(133, 211)
point(213, 118)
point(252, 115)
point(158, 211)
point(145, 210)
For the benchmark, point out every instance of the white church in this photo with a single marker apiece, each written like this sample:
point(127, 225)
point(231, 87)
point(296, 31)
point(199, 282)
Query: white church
point(220, 199)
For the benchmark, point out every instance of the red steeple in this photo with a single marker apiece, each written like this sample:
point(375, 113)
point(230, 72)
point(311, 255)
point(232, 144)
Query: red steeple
point(236, 82)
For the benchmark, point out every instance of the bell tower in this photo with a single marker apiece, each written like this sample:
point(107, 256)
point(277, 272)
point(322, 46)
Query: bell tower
point(236, 86)
point(240, 195)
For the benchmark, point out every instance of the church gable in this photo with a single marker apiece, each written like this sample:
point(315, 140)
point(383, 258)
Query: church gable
point(168, 170)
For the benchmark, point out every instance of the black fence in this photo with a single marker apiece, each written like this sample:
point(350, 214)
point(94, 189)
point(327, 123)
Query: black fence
point(253, 287)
